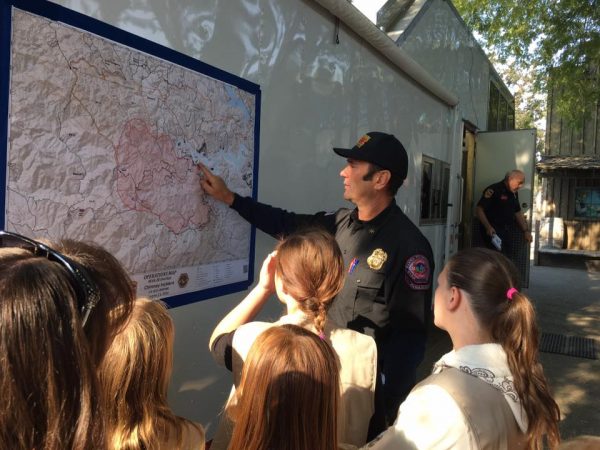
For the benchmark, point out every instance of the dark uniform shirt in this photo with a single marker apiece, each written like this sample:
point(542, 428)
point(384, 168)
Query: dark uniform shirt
point(499, 205)
point(387, 292)
point(388, 260)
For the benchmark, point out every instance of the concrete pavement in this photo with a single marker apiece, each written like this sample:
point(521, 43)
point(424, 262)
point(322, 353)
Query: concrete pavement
point(567, 302)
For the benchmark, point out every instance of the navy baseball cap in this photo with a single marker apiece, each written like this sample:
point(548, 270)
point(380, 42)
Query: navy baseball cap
point(381, 149)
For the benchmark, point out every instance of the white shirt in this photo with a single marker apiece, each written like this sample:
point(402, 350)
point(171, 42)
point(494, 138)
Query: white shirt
point(430, 419)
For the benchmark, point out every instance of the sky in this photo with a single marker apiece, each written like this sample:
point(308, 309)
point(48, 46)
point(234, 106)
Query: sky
point(369, 7)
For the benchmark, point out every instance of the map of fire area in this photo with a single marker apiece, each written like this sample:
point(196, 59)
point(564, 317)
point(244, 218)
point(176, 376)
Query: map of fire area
point(103, 146)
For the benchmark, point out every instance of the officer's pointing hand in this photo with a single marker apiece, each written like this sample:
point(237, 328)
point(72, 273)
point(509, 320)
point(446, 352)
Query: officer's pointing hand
point(214, 186)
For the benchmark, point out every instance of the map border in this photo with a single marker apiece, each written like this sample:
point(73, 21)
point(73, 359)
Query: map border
point(75, 19)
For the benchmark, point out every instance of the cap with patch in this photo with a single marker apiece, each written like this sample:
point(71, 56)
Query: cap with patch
point(381, 149)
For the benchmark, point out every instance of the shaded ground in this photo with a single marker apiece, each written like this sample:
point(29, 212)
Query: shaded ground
point(567, 302)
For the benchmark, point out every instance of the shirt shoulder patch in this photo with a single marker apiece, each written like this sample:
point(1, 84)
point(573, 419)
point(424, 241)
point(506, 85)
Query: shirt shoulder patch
point(417, 273)
point(488, 193)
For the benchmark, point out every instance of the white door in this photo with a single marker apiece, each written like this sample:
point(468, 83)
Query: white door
point(498, 152)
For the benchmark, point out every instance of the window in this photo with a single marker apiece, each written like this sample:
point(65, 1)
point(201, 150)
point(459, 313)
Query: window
point(426, 188)
point(510, 118)
point(501, 110)
point(587, 203)
point(493, 108)
point(435, 181)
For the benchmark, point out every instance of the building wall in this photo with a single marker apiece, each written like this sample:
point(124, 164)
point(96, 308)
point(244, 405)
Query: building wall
point(439, 40)
point(316, 94)
point(434, 34)
point(561, 139)
point(558, 187)
point(559, 201)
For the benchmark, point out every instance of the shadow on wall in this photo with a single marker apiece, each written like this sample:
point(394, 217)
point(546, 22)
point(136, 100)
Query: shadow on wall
point(196, 394)
point(583, 235)
point(569, 234)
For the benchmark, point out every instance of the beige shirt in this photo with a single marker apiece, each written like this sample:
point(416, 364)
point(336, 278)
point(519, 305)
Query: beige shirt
point(468, 403)
point(357, 355)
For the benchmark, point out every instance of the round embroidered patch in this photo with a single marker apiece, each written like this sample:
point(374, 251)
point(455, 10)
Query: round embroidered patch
point(417, 272)
point(488, 193)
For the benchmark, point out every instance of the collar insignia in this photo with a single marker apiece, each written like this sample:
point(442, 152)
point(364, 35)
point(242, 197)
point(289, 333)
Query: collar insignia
point(377, 258)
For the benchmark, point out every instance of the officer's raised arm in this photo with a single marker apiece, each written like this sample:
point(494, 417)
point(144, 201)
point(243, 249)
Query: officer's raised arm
point(214, 186)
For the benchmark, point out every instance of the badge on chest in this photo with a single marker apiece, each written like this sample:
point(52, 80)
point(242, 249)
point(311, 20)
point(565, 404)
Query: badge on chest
point(377, 259)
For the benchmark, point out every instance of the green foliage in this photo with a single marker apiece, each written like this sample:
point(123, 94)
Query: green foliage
point(559, 39)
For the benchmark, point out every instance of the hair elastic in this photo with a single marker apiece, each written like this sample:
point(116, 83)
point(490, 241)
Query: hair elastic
point(512, 291)
point(322, 335)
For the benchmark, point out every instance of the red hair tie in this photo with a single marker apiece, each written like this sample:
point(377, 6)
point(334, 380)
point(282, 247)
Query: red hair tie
point(510, 293)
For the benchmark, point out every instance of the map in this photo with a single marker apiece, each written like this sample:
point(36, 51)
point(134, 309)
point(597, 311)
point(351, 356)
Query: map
point(103, 146)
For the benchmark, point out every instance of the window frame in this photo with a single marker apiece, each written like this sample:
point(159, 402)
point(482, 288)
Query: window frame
point(590, 194)
point(433, 209)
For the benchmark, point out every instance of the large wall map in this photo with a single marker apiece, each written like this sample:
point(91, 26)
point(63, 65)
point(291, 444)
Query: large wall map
point(103, 145)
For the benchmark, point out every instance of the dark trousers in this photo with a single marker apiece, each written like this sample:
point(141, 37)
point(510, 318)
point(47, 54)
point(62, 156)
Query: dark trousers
point(504, 234)
point(398, 358)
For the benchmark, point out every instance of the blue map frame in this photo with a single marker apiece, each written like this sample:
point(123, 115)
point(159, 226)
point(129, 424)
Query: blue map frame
point(66, 16)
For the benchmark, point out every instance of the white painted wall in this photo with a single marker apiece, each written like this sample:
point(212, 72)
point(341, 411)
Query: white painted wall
point(433, 34)
point(316, 94)
point(440, 42)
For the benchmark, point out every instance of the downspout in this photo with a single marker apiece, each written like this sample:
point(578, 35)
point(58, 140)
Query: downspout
point(354, 19)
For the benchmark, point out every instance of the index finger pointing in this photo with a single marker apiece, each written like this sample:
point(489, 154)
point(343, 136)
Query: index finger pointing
point(205, 170)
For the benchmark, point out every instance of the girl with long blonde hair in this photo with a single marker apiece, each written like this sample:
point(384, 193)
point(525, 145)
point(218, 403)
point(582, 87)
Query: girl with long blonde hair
point(134, 376)
point(288, 395)
point(306, 271)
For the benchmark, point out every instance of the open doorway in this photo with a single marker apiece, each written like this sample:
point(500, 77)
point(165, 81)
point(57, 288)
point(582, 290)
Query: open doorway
point(465, 238)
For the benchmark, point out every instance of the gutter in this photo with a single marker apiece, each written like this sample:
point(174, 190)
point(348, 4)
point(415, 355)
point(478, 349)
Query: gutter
point(358, 23)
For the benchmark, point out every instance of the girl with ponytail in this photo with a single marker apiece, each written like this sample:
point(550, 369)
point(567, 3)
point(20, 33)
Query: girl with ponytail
point(490, 390)
point(306, 271)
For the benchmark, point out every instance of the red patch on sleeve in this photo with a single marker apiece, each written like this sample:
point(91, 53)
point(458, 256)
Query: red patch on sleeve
point(418, 273)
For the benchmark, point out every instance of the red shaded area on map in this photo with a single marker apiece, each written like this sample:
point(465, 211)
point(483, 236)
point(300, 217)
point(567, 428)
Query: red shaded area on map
point(152, 178)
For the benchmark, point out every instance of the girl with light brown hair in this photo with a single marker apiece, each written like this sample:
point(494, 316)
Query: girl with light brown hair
point(288, 394)
point(306, 271)
point(115, 287)
point(134, 376)
point(490, 390)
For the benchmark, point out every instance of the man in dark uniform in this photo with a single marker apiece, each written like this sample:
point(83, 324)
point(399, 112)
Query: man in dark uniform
point(387, 293)
point(499, 209)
